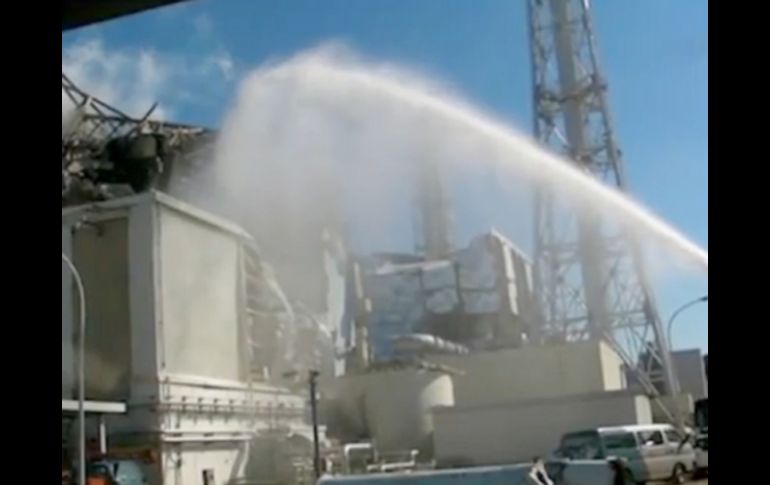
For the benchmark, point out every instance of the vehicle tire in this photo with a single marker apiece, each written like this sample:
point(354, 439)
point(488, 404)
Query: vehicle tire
point(679, 475)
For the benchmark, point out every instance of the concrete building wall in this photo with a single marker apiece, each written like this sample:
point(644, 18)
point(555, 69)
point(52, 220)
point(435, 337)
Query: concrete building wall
point(392, 407)
point(225, 461)
point(201, 424)
point(145, 279)
point(514, 432)
point(101, 256)
point(684, 402)
point(398, 408)
point(534, 373)
point(111, 244)
point(99, 248)
point(691, 370)
point(612, 371)
point(200, 285)
point(170, 296)
point(162, 294)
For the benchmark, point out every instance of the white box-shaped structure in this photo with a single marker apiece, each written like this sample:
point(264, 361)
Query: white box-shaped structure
point(534, 372)
point(162, 295)
point(166, 328)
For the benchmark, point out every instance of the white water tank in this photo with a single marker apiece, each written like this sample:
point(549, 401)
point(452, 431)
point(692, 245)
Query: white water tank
point(398, 407)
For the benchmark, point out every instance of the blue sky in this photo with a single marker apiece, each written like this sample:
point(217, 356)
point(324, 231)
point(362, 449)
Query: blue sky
point(654, 53)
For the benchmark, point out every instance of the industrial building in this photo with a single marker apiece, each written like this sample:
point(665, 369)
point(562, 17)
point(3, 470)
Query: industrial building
point(514, 432)
point(179, 310)
point(191, 333)
point(196, 343)
point(487, 406)
point(479, 297)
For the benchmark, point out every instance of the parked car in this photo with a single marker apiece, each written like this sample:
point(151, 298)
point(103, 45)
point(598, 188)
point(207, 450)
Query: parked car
point(651, 452)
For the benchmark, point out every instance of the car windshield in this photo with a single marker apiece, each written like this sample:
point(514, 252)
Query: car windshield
point(619, 441)
point(581, 446)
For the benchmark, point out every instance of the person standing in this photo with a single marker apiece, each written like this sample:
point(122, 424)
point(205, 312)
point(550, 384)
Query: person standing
point(538, 473)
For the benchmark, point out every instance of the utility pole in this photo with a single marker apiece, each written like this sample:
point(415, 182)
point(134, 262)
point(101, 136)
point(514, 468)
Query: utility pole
point(313, 381)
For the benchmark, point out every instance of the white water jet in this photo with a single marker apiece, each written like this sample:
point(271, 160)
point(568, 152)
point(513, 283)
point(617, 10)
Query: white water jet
point(320, 127)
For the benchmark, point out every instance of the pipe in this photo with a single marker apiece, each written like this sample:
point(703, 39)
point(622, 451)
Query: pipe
point(102, 435)
point(205, 439)
point(400, 465)
point(81, 370)
point(204, 432)
point(350, 447)
point(421, 342)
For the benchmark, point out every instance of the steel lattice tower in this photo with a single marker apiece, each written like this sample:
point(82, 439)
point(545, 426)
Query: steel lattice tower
point(589, 275)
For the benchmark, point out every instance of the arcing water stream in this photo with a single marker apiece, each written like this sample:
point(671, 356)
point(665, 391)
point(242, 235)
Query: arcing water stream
point(319, 121)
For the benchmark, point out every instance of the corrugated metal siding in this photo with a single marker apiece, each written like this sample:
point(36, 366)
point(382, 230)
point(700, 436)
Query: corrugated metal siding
point(487, 278)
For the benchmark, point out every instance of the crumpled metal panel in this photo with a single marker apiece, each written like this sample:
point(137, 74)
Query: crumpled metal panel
point(403, 295)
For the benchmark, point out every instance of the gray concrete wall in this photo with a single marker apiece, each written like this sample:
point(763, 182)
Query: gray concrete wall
point(393, 407)
point(200, 285)
point(691, 371)
point(101, 256)
point(516, 432)
point(111, 244)
point(534, 373)
point(100, 251)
